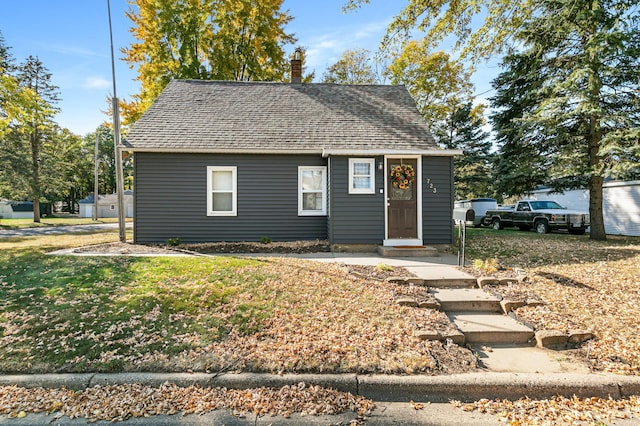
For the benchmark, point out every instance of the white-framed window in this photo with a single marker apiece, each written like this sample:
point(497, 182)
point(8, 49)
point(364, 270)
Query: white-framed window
point(312, 191)
point(362, 176)
point(222, 191)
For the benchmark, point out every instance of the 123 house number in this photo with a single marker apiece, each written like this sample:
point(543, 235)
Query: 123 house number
point(432, 186)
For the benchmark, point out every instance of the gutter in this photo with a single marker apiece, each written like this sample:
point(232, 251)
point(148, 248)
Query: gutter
point(464, 387)
point(324, 152)
point(379, 151)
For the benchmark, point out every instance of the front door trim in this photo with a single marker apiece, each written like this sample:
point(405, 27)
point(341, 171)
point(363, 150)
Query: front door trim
point(387, 242)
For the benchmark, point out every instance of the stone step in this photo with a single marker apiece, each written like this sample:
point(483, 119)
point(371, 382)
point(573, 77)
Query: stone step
point(449, 282)
point(466, 299)
point(490, 328)
point(443, 276)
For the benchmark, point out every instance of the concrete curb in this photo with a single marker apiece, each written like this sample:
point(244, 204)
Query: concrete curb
point(464, 387)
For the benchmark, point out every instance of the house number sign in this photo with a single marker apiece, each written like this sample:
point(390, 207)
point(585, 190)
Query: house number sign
point(432, 187)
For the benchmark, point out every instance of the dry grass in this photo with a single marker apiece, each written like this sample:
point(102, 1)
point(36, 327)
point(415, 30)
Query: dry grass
point(205, 314)
point(328, 321)
point(585, 284)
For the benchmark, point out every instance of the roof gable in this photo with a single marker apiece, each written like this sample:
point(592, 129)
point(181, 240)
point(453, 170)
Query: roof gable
point(224, 116)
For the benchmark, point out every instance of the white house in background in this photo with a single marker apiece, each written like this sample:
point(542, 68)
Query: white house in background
point(107, 205)
point(16, 209)
point(620, 205)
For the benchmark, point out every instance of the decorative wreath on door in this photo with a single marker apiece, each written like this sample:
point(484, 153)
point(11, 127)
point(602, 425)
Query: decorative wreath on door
point(402, 176)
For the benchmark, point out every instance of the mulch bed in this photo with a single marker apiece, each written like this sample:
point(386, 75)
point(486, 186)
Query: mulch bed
point(286, 247)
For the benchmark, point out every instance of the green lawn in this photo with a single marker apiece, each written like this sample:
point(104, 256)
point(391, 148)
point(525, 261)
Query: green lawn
point(97, 313)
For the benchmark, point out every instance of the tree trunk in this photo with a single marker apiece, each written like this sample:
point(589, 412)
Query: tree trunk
point(595, 208)
point(35, 178)
point(594, 139)
point(596, 180)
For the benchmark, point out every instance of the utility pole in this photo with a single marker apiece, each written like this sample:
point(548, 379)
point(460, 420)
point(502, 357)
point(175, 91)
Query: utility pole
point(95, 178)
point(116, 139)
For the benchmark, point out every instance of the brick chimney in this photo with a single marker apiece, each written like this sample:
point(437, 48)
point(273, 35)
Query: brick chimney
point(296, 67)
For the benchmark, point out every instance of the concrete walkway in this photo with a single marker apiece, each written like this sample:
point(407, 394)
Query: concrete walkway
point(441, 267)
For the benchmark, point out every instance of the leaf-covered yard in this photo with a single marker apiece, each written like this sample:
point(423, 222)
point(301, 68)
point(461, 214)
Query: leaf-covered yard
point(223, 313)
point(65, 314)
point(585, 285)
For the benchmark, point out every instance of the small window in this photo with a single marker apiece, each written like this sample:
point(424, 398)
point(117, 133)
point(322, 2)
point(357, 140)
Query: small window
point(222, 191)
point(361, 175)
point(312, 191)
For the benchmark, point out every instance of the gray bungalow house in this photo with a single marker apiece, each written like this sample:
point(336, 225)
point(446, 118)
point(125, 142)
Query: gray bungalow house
point(238, 161)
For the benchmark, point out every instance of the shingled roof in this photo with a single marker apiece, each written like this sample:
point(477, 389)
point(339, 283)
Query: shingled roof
point(224, 116)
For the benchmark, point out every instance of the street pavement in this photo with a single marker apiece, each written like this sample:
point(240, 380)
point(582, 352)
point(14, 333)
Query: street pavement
point(385, 413)
point(58, 230)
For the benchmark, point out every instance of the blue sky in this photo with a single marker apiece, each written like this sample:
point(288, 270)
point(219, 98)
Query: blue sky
point(71, 37)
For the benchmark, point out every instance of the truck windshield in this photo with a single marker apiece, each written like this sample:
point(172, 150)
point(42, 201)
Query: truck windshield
point(545, 205)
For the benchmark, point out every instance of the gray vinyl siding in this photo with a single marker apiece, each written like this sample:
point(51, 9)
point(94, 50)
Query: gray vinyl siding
point(354, 218)
point(437, 207)
point(171, 199)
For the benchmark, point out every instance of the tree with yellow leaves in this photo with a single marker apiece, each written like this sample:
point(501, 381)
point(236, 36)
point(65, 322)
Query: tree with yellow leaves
point(240, 40)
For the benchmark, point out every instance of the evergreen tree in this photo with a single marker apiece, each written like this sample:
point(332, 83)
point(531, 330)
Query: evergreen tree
point(472, 170)
point(521, 163)
point(34, 77)
point(583, 106)
point(7, 61)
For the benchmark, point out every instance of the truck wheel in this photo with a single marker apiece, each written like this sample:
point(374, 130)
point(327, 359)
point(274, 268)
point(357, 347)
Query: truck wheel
point(541, 227)
point(497, 225)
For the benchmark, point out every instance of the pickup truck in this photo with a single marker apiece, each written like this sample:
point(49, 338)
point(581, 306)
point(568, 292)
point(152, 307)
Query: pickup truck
point(542, 216)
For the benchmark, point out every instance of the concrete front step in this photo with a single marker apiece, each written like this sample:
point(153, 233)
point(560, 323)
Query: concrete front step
point(488, 328)
point(466, 299)
point(407, 251)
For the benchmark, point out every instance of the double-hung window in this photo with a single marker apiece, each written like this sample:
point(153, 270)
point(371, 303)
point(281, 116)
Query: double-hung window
point(222, 191)
point(312, 191)
point(361, 175)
